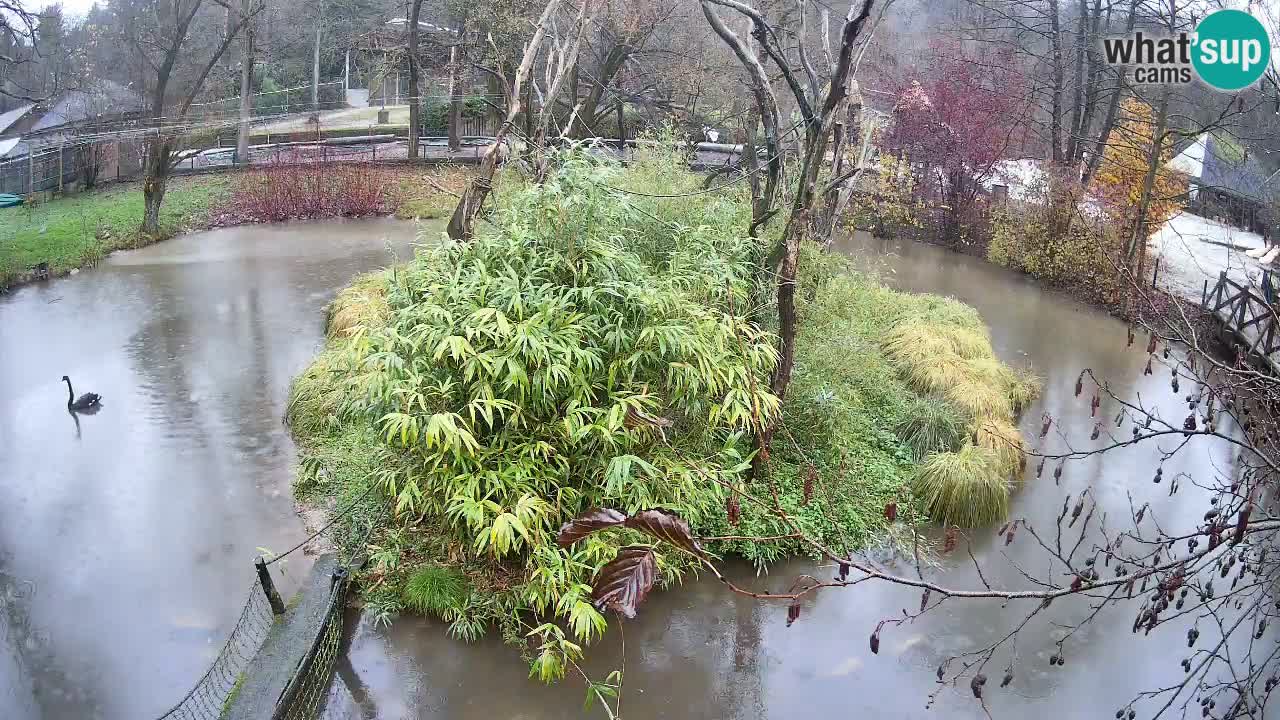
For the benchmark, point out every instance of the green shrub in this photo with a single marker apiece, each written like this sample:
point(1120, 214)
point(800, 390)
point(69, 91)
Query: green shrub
point(588, 348)
point(1085, 258)
point(437, 590)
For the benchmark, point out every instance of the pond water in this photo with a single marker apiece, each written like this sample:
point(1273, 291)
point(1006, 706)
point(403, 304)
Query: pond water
point(701, 651)
point(126, 540)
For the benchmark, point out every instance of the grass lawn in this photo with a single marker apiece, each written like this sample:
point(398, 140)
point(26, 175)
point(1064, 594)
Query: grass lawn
point(79, 229)
point(430, 193)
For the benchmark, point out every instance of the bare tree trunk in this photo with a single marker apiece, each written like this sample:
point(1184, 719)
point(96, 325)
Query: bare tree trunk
point(415, 95)
point(315, 65)
point(1113, 108)
point(1138, 239)
point(800, 222)
point(455, 102)
point(1055, 110)
point(566, 57)
point(622, 127)
point(155, 184)
point(246, 86)
point(462, 223)
point(160, 147)
point(1077, 96)
point(766, 104)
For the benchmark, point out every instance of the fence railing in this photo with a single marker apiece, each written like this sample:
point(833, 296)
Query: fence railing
point(1248, 315)
point(209, 698)
point(483, 126)
point(304, 696)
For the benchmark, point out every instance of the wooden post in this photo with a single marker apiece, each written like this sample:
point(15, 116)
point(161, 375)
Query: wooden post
point(269, 586)
point(622, 132)
point(1155, 273)
point(1204, 294)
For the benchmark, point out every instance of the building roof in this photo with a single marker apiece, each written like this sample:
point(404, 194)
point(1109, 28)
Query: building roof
point(102, 98)
point(13, 116)
point(1219, 162)
point(7, 145)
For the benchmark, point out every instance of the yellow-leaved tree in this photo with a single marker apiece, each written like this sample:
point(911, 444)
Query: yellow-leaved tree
point(1123, 171)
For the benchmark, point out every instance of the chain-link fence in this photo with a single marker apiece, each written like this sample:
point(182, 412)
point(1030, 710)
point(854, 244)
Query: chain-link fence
point(73, 164)
point(211, 695)
point(272, 103)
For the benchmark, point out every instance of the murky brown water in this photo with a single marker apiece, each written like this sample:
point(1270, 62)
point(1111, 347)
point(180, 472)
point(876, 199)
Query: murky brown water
point(702, 652)
point(126, 543)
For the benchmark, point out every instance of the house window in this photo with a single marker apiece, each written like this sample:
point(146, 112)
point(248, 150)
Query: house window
point(1000, 193)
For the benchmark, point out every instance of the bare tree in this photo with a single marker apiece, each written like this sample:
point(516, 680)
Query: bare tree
point(415, 80)
point(167, 47)
point(246, 87)
point(19, 48)
point(462, 223)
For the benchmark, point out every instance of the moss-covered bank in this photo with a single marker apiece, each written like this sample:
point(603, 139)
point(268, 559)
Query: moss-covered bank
point(590, 348)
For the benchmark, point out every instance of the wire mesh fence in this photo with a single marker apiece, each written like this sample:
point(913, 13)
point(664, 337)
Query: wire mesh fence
point(70, 165)
point(304, 696)
point(209, 698)
point(273, 103)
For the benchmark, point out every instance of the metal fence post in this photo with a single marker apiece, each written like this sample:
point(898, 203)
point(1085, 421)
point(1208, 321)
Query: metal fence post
point(62, 150)
point(31, 169)
point(269, 586)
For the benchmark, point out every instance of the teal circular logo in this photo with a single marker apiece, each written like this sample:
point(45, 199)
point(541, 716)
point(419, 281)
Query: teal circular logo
point(1231, 49)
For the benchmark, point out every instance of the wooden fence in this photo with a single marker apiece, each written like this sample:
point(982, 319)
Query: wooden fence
point(1247, 315)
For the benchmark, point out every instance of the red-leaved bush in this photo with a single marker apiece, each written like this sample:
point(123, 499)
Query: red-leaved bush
point(313, 190)
point(954, 122)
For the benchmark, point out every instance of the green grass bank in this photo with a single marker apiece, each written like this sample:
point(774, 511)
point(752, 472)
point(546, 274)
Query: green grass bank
point(77, 230)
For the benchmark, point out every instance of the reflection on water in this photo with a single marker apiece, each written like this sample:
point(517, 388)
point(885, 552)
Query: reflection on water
point(702, 652)
point(126, 537)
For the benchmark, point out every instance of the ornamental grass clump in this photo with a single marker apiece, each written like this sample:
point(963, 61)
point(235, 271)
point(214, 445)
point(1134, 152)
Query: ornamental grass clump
point(963, 488)
point(932, 425)
point(945, 352)
point(361, 306)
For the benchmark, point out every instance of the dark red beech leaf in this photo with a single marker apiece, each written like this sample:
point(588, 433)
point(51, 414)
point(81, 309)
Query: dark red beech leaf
point(623, 583)
point(666, 526)
point(875, 641)
point(591, 521)
point(891, 511)
point(793, 612)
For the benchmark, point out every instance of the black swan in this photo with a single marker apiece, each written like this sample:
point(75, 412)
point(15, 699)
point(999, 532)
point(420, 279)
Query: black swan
point(84, 402)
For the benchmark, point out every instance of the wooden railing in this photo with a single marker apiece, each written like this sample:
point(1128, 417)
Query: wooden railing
point(1248, 315)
